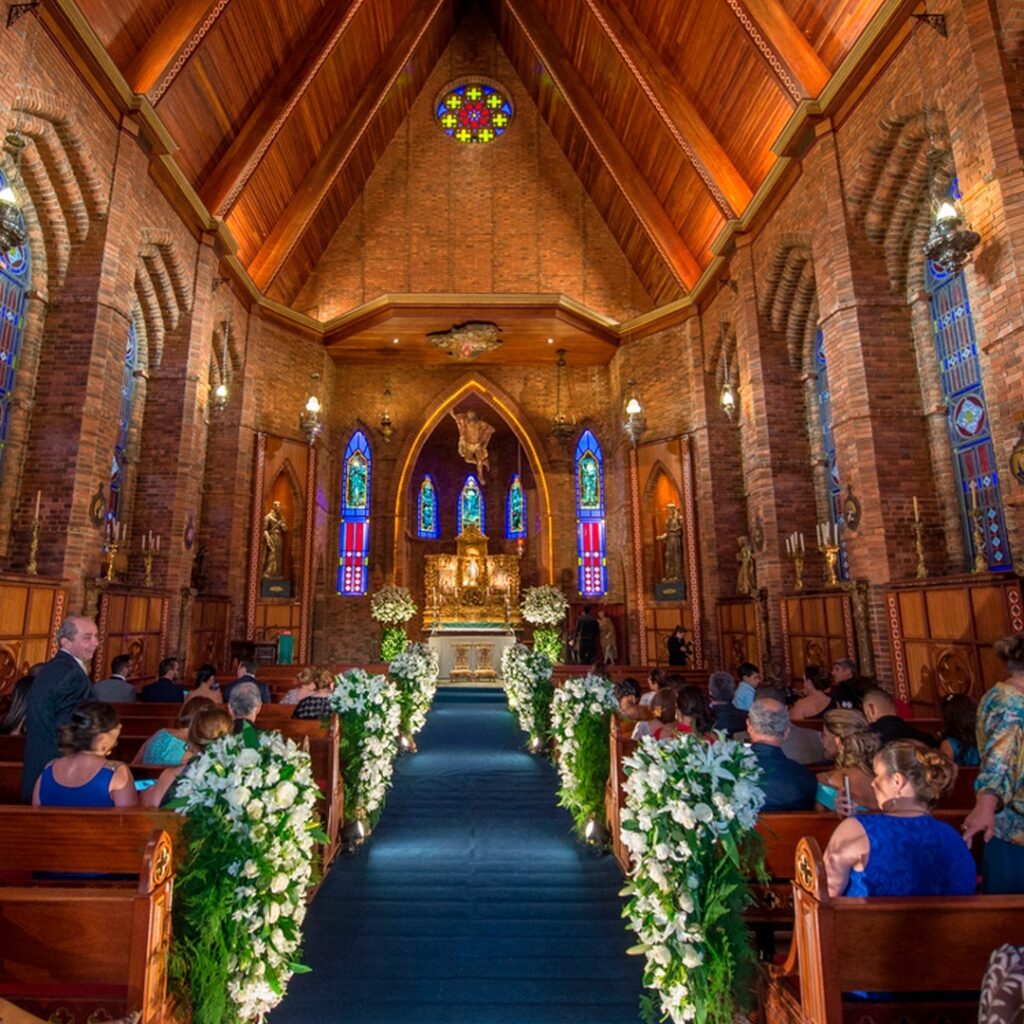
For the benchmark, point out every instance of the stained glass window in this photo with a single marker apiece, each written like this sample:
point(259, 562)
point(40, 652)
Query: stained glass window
point(835, 496)
point(427, 524)
point(590, 527)
point(354, 533)
point(474, 113)
point(515, 510)
point(14, 278)
point(471, 505)
point(119, 464)
point(974, 458)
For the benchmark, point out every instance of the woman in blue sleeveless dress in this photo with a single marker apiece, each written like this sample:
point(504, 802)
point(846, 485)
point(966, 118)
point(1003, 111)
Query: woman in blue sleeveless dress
point(83, 776)
point(903, 851)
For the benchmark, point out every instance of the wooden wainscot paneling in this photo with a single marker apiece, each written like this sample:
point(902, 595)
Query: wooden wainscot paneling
point(210, 633)
point(739, 635)
point(133, 624)
point(816, 629)
point(941, 635)
point(276, 619)
point(31, 609)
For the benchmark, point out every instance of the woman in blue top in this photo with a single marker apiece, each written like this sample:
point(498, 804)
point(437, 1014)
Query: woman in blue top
point(83, 776)
point(903, 851)
point(959, 730)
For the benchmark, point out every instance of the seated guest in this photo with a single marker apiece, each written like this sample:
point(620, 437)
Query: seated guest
point(169, 746)
point(726, 717)
point(851, 746)
point(627, 693)
point(750, 680)
point(816, 699)
point(903, 851)
point(246, 673)
point(655, 681)
point(846, 688)
point(317, 704)
point(787, 786)
point(959, 732)
point(115, 687)
point(83, 776)
point(663, 715)
point(693, 714)
point(206, 685)
point(880, 711)
point(166, 689)
point(244, 704)
point(306, 687)
point(209, 723)
point(13, 723)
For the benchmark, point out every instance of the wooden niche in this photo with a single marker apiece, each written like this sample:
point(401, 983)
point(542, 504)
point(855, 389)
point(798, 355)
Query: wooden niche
point(739, 633)
point(816, 630)
point(30, 612)
point(132, 624)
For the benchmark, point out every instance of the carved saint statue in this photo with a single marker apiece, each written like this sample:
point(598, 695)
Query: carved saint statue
point(274, 529)
point(746, 578)
point(673, 538)
point(474, 436)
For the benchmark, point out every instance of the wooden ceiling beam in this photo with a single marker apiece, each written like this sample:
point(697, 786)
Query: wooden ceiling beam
point(178, 36)
point(794, 63)
point(606, 143)
point(247, 149)
point(333, 158)
point(671, 103)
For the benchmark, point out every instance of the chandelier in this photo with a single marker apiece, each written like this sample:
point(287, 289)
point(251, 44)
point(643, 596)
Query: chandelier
point(562, 428)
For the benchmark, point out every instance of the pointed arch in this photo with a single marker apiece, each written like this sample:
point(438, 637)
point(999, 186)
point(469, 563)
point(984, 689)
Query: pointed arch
point(354, 532)
point(591, 539)
point(516, 513)
point(428, 521)
point(15, 275)
point(472, 508)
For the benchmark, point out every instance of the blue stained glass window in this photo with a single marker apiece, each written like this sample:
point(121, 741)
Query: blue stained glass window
point(119, 463)
point(515, 510)
point(974, 458)
point(354, 533)
point(471, 505)
point(14, 278)
point(590, 526)
point(427, 523)
point(835, 497)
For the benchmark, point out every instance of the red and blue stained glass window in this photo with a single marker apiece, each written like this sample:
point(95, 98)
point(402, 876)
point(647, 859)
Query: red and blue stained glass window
point(471, 505)
point(427, 524)
point(119, 463)
point(835, 496)
point(354, 534)
point(474, 113)
point(14, 278)
point(590, 526)
point(515, 510)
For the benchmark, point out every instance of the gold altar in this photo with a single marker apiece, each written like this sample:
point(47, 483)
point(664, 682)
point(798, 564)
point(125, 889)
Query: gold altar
point(471, 586)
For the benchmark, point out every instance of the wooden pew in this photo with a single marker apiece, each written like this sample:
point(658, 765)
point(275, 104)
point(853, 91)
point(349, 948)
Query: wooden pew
point(884, 945)
point(93, 948)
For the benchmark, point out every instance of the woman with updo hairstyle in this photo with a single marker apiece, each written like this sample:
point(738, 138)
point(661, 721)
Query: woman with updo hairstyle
point(903, 851)
point(816, 699)
point(84, 776)
point(998, 812)
point(851, 746)
point(317, 704)
point(209, 723)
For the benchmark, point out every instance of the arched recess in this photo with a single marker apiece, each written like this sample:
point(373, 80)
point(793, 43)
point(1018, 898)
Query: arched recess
point(287, 489)
point(660, 489)
point(506, 407)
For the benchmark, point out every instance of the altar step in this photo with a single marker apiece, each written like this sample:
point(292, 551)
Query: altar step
point(485, 686)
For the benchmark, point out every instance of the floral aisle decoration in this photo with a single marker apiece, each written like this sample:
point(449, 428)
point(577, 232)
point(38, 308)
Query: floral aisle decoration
point(580, 713)
point(392, 607)
point(528, 686)
point(240, 890)
point(546, 608)
point(688, 822)
point(370, 713)
point(415, 672)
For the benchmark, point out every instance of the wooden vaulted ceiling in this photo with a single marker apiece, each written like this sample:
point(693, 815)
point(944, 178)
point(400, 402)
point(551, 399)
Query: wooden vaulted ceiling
point(668, 110)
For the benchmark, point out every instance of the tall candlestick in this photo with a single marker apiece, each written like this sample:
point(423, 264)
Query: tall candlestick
point(917, 511)
point(39, 498)
point(158, 542)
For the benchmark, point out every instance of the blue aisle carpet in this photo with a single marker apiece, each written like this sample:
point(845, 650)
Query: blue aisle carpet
point(472, 903)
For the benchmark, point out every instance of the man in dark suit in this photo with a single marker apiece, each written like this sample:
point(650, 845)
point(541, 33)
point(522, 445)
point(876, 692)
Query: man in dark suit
point(246, 673)
point(721, 690)
point(880, 711)
point(115, 687)
point(588, 629)
point(61, 685)
point(166, 689)
point(787, 786)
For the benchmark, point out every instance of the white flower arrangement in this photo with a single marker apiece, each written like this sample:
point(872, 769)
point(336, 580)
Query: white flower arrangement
point(415, 671)
point(392, 606)
point(691, 808)
point(580, 712)
point(544, 606)
point(250, 800)
point(371, 716)
point(526, 676)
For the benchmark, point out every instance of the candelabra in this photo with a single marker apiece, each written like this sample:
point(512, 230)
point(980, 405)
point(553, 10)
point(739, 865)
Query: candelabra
point(978, 535)
point(922, 571)
point(796, 550)
point(830, 552)
point(33, 550)
point(147, 561)
point(112, 546)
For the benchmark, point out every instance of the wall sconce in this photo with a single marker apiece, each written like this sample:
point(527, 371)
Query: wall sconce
point(950, 242)
point(386, 427)
point(220, 392)
point(311, 419)
point(634, 422)
point(728, 398)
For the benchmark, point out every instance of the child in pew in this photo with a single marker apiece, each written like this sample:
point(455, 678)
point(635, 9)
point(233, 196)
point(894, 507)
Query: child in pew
point(903, 851)
point(84, 776)
point(208, 724)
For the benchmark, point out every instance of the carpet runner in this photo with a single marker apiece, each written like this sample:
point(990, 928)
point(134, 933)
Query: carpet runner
point(472, 903)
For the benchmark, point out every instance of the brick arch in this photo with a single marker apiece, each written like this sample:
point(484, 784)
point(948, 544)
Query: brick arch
point(162, 287)
point(234, 360)
point(789, 303)
point(508, 409)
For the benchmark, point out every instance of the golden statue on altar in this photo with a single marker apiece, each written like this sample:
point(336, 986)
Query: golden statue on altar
point(471, 586)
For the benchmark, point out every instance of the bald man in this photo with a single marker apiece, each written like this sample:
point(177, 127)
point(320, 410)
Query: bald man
point(62, 684)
